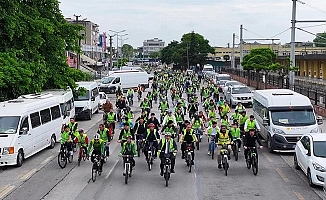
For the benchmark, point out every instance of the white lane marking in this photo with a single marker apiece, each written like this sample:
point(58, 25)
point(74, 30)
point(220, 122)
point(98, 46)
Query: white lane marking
point(111, 170)
point(28, 174)
point(47, 160)
point(299, 196)
point(282, 175)
point(4, 191)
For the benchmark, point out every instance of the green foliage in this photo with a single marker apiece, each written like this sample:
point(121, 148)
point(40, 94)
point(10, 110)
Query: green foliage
point(192, 44)
point(34, 37)
point(320, 40)
point(283, 70)
point(259, 59)
point(120, 62)
point(127, 51)
point(156, 54)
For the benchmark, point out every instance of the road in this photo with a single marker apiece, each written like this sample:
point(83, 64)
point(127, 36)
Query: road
point(41, 178)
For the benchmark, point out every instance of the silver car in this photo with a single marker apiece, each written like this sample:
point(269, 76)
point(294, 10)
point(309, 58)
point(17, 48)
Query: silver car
point(240, 93)
point(230, 84)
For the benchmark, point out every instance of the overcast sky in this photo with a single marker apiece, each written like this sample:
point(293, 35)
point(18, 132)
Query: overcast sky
point(216, 20)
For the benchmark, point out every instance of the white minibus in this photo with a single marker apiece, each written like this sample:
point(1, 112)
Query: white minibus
point(283, 115)
point(89, 103)
point(28, 125)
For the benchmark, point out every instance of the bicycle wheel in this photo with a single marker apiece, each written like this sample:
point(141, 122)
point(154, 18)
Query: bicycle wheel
point(79, 159)
point(166, 177)
point(127, 174)
point(248, 163)
point(70, 157)
point(94, 172)
point(212, 153)
point(62, 160)
point(225, 166)
point(149, 163)
point(236, 152)
point(138, 150)
point(254, 166)
point(197, 145)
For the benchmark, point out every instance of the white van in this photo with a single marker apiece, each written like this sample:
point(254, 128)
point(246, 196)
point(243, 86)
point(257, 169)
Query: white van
point(89, 103)
point(208, 68)
point(284, 115)
point(66, 100)
point(124, 79)
point(28, 125)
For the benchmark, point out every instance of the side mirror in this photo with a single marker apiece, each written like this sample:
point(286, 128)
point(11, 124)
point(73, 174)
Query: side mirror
point(93, 98)
point(67, 113)
point(23, 131)
point(265, 121)
point(319, 120)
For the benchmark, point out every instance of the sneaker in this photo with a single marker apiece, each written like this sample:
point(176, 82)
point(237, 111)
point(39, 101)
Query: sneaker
point(209, 153)
point(229, 157)
point(124, 174)
point(161, 173)
point(172, 171)
point(192, 162)
point(220, 166)
point(239, 150)
point(71, 153)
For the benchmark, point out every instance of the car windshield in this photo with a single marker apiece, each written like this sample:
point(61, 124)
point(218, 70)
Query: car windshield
point(208, 69)
point(232, 83)
point(107, 80)
point(320, 149)
point(9, 125)
point(304, 117)
point(224, 78)
point(241, 90)
point(83, 97)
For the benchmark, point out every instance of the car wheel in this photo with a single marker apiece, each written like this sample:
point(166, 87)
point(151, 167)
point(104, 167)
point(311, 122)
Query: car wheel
point(89, 117)
point(98, 108)
point(52, 142)
point(269, 145)
point(20, 158)
point(295, 161)
point(311, 184)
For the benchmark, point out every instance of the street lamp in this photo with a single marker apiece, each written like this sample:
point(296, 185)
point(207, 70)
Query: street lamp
point(122, 40)
point(117, 33)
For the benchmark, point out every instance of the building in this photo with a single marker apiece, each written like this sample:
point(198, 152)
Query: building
point(152, 45)
point(280, 50)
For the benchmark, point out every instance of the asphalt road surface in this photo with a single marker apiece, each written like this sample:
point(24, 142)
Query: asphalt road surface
point(40, 177)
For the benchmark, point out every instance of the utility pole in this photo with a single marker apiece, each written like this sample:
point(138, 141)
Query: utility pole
point(292, 55)
point(233, 56)
point(111, 62)
point(188, 56)
point(241, 45)
point(117, 33)
point(79, 43)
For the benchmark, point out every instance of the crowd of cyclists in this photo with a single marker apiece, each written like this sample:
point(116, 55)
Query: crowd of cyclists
point(180, 97)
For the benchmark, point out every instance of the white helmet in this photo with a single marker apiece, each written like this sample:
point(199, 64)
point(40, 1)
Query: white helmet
point(97, 137)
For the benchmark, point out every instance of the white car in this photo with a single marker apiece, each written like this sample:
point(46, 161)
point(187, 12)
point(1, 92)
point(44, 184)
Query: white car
point(103, 98)
point(230, 84)
point(240, 93)
point(310, 156)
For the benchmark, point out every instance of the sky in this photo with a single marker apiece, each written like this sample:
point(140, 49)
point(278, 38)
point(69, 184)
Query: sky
point(216, 20)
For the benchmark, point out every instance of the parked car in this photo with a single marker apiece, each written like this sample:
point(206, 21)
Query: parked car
point(237, 94)
point(230, 84)
point(103, 98)
point(310, 156)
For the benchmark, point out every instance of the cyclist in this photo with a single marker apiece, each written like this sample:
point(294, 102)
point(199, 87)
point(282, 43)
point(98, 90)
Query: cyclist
point(126, 131)
point(140, 129)
point(151, 135)
point(198, 124)
point(242, 121)
point(73, 126)
point(212, 113)
point(225, 121)
point(97, 145)
point(128, 148)
point(192, 108)
point(202, 116)
point(82, 140)
point(105, 136)
point(154, 120)
point(66, 140)
point(167, 146)
point(169, 127)
point(150, 99)
point(236, 135)
point(184, 105)
point(236, 117)
point(107, 106)
point(188, 137)
point(129, 114)
point(224, 137)
point(111, 119)
point(249, 140)
point(179, 117)
point(145, 105)
point(121, 104)
point(212, 131)
point(251, 123)
point(178, 107)
point(139, 91)
point(225, 109)
point(155, 94)
point(143, 115)
point(130, 93)
point(240, 107)
point(126, 120)
point(169, 117)
point(163, 106)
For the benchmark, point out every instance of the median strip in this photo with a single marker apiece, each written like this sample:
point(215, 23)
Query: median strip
point(4, 191)
point(28, 174)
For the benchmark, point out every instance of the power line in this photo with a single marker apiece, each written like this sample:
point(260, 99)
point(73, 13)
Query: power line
point(310, 33)
point(254, 33)
point(313, 26)
point(313, 7)
point(281, 32)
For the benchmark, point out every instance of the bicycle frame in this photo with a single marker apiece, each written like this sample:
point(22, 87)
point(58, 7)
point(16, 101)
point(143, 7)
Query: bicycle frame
point(212, 143)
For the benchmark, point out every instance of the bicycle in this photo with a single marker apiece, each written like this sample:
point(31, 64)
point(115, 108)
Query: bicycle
point(224, 155)
point(196, 132)
point(64, 156)
point(167, 169)
point(140, 146)
point(151, 151)
point(235, 149)
point(131, 100)
point(212, 146)
point(96, 167)
point(139, 96)
point(162, 115)
point(127, 167)
point(252, 161)
point(81, 154)
point(188, 158)
point(107, 151)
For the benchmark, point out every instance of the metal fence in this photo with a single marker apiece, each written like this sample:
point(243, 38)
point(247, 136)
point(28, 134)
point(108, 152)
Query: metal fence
point(315, 91)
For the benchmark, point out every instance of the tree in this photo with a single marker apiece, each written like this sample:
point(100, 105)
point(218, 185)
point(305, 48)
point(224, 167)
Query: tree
point(320, 40)
point(34, 37)
point(260, 59)
point(168, 51)
point(156, 54)
point(127, 51)
point(283, 69)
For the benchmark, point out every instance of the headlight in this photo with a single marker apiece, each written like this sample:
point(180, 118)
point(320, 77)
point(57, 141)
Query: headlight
point(318, 167)
point(315, 130)
point(278, 131)
point(8, 150)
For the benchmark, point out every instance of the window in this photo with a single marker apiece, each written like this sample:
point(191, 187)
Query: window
point(25, 123)
point(55, 112)
point(259, 109)
point(35, 119)
point(95, 91)
point(45, 115)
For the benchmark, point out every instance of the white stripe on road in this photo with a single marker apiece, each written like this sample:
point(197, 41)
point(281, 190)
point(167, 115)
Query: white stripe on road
point(4, 191)
point(282, 175)
point(28, 174)
point(111, 170)
point(299, 196)
point(47, 160)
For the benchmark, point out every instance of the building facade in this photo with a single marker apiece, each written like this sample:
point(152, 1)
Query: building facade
point(152, 45)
